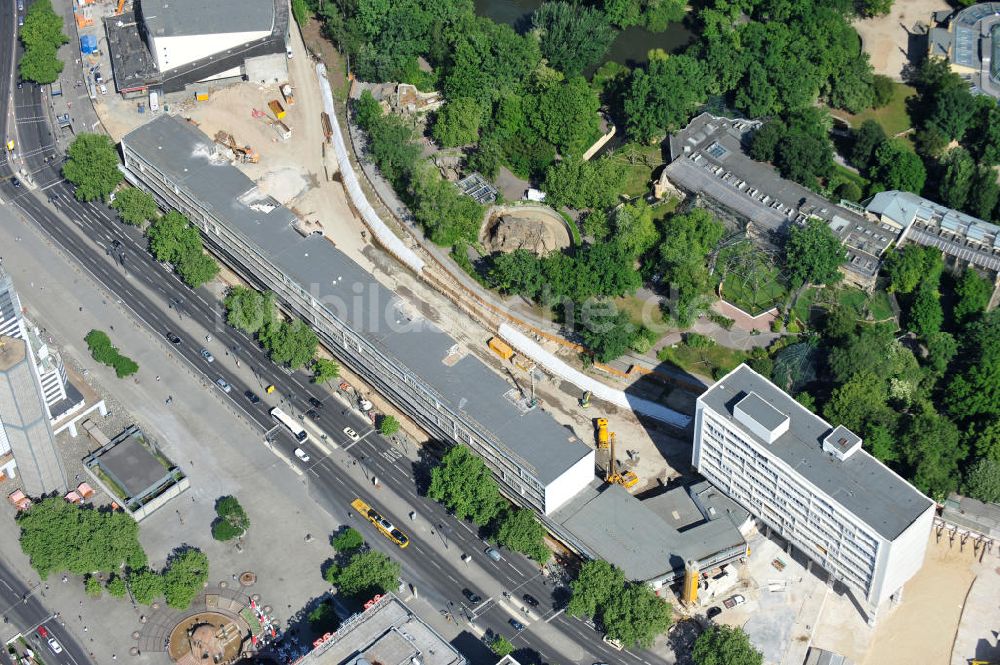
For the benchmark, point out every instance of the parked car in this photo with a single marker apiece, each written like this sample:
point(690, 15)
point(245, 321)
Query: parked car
point(315, 402)
point(207, 355)
point(516, 625)
point(251, 396)
point(734, 601)
point(104, 89)
point(494, 554)
point(713, 612)
point(172, 338)
point(42, 632)
point(55, 646)
point(351, 434)
point(222, 383)
point(301, 454)
point(529, 600)
point(471, 596)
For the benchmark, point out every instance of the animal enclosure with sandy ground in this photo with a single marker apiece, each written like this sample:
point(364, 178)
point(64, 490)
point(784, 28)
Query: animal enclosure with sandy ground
point(888, 40)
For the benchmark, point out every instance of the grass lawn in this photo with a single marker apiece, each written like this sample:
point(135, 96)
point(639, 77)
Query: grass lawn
point(804, 304)
point(643, 313)
point(714, 361)
point(639, 160)
point(842, 174)
point(750, 299)
point(876, 304)
point(893, 118)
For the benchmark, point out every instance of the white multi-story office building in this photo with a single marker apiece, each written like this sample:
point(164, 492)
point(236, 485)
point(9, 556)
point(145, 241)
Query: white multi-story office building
point(813, 484)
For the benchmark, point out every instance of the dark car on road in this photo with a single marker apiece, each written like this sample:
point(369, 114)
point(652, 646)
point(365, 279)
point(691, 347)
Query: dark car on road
point(251, 396)
point(313, 413)
point(472, 596)
point(15, 182)
point(315, 402)
point(713, 612)
point(516, 625)
point(529, 600)
point(172, 338)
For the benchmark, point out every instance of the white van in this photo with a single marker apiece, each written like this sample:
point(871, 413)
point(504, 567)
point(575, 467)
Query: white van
point(154, 102)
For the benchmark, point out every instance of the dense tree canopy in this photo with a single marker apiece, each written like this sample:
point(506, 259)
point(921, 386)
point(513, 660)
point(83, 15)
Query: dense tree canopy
point(636, 615)
point(687, 240)
point(465, 486)
point(366, 574)
point(813, 254)
point(292, 343)
point(172, 239)
point(231, 519)
point(725, 645)
point(662, 97)
point(519, 530)
point(134, 206)
point(41, 35)
point(92, 165)
point(975, 390)
point(573, 37)
point(184, 577)
point(597, 582)
point(593, 184)
point(60, 536)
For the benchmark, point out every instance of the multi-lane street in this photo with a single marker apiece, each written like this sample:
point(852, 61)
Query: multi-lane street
point(339, 469)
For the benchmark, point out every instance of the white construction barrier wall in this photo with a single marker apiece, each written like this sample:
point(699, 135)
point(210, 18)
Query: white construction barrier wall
point(382, 233)
point(533, 350)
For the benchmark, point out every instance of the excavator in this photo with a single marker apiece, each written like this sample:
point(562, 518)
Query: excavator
point(628, 479)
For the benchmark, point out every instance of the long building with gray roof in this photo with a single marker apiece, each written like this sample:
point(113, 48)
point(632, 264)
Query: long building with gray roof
point(813, 484)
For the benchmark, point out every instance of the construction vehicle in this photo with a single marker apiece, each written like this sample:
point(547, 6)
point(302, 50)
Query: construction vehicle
point(244, 154)
point(276, 108)
point(585, 400)
point(384, 526)
point(628, 479)
point(121, 8)
point(602, 433)
point(286, 92)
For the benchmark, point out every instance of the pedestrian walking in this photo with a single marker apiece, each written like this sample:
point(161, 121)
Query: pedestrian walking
point(157, 377)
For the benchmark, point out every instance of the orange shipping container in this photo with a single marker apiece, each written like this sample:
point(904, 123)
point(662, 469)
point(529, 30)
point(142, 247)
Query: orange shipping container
point(276, 108)
point(501, 348)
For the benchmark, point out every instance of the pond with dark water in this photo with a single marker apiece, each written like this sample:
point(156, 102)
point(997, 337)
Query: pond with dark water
point(630, 47)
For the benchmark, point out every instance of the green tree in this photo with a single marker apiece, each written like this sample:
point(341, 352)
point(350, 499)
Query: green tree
point(813, 253)
point(636, 616)
point(249, 310)
point(348, 541)
point(865, 139)
point(973, 294)
point(300, 12)
point(517, 272)
point(324, 370)
point(941, 349)
point(983, 194)
point(457, 123)
point(231, 519)
point(134, 206)
point(501, 646)
point(593, 184)
point(92, 586)
point(982, 482)
point(323, 617)
point(292, 344)
point(116, 587)
point(445, 213)
point(975, 389)
point(572, 37)
point(60, 536)
point(932, 450)
point(687, 241)
point(725, 645)
point(897, 167)
point(604, 330)
point(635, 229)
point(875, 7)
point(92, 165)
point(388, 425)
point(519, 530)
point(41, 35)
point(101, 350)
point(173, 239)
point(908, 267)
point(367, 573)
point(663, 96)
point(146, 585)
point(465, 486)
point(959, 173)
point(862, 399)
point(197, 269)
point(985, 440)
point(925, 315)
point(184, 577)
point(595, 585)
point(565, 115)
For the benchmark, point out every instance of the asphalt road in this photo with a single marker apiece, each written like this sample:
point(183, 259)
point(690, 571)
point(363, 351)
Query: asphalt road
point(116, 256)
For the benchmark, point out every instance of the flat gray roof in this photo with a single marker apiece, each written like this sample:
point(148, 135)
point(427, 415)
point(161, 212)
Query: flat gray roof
point(862, 485)
point(972, 514)
point(615, 526)
point(467, 385)
point(761, 411)
point(132, 465)
point(175, 18)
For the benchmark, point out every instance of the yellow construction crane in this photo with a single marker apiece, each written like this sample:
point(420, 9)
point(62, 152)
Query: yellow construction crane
point(627, 479)
point(121, 8)
point(602, 433)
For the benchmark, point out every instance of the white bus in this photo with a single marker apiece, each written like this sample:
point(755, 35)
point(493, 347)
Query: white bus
point(290, 424)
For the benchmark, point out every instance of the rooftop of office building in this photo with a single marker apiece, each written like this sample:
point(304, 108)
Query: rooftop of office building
point(177, 18)
point(859, 483)
point(652, 539)
point(388, 633)
point(460, 380)
point(708, 157)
